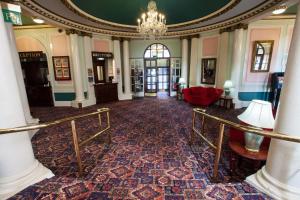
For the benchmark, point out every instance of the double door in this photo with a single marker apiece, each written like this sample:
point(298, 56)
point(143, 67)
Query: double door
point(157, 76)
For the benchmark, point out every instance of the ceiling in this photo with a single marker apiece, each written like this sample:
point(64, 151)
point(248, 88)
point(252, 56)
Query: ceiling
point(127, 11)
point(118, 17)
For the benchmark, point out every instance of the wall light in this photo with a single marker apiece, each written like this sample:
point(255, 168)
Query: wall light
point(38, 21)
point(279, 10)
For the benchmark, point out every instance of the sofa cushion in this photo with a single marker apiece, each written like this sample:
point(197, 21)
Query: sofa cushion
point(197, 90)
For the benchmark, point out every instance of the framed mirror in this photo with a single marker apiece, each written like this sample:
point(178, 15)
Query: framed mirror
point(208, 70)
point(261, 55)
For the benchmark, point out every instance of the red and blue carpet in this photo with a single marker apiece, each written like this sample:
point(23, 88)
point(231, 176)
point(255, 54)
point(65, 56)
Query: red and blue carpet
point(149, 158)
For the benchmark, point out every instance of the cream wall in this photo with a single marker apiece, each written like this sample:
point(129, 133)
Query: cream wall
point(53, 43)
point(256, 85)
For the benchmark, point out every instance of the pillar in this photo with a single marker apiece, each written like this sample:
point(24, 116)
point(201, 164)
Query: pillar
point(223, 66)
point(117, 66)
point(184, 59)
point(194, 61)
point(78, 83)
point(18, 166)
point(237, 65)
point(87, 43)
point(127, 70)
point(19, 74)
point(280, 178)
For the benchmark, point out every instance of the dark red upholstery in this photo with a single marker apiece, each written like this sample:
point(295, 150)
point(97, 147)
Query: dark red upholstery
point(202, 96)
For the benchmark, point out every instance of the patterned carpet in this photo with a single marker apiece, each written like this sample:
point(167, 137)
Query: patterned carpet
point(149, 159)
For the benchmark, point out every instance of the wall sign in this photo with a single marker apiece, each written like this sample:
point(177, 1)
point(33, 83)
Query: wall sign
point(61, 66)
point(102, 54)
point(12, 13)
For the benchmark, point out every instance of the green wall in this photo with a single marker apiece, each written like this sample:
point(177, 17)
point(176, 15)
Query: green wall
point(138, 47)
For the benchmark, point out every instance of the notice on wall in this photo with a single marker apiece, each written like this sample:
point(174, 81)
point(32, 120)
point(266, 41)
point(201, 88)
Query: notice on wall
point(11, 13)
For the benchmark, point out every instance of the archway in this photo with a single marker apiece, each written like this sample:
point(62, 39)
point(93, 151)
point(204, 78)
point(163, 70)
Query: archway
point(157, 69)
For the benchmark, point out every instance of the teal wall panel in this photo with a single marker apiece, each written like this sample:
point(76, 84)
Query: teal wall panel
point(249, 96)
point(66, 96)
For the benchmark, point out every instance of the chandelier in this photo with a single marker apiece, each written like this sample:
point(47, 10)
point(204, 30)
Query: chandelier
point(152, 24)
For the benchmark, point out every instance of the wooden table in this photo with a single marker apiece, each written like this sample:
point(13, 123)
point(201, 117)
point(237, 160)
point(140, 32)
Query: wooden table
point(226, 101)
point(238, 148)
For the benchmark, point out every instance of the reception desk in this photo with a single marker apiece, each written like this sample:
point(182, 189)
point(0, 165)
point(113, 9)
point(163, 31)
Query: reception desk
point(106, 92)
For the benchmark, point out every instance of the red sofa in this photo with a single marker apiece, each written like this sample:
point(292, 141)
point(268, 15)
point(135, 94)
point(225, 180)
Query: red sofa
point(202, 96)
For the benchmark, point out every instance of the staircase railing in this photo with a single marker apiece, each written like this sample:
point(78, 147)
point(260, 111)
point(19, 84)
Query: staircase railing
point(72, 119)
point(222, 123)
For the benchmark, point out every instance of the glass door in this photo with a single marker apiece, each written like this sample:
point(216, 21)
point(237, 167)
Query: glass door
point(150, 77)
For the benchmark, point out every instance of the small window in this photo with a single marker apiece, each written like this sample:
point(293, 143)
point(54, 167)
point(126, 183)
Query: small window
point(157, 51)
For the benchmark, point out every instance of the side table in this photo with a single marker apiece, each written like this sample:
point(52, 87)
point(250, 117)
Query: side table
point(239, 150)
point(226, 102)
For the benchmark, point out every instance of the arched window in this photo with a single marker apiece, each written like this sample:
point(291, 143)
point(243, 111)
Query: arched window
point(157, 51)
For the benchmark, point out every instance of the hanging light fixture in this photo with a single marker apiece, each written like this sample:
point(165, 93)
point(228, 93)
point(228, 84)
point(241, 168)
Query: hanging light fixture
point(279, 10)
point(152, 24)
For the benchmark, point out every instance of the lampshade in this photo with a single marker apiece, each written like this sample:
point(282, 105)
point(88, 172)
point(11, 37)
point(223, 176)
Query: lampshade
point(181, 81)
point(259, 114)
point(228, 84)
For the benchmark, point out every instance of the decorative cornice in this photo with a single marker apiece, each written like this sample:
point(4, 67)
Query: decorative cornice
point(37, 9)
point(79, 33)
point(71, 6)
point(232, 28)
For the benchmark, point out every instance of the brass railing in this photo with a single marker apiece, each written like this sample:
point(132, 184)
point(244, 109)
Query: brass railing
point(72, 119)
point(222, 124)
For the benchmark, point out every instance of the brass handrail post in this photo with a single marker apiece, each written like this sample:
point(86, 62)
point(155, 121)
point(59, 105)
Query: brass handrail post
point(202, 125)
point(108, 125)
point(218, 151)
point(76, 147)
point(193, 132)
point(100, 121)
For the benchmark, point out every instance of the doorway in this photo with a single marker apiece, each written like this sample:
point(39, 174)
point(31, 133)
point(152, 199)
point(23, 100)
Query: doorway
point(35, 72)
point(157, 70)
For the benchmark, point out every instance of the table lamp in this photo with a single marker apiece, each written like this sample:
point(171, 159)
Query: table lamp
point(181, 82)
point(259, 114)
point(227, 85)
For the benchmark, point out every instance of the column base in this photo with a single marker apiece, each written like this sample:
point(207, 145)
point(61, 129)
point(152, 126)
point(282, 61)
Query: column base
point(264, 182)
point(125, 97)
point(82, 103)
point(12, 185)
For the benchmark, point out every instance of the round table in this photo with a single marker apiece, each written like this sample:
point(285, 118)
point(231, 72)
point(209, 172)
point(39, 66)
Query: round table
point(238, 148)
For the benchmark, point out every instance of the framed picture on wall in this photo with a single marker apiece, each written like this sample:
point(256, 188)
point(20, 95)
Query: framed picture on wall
point(262, 55)
point(61, 67)
point(208, 70)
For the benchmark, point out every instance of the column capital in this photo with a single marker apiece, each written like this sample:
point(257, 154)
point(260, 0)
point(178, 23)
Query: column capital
point(233, 28)
point(184, 37)
point(79, 33)
point(126, 39)
point(116, 38)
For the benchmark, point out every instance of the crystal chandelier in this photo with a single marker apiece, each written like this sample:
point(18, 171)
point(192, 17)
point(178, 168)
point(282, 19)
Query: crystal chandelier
point(152, 24)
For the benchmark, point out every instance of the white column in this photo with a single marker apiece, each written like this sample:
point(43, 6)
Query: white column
point(87, 43)
point(117, 66)
point(194, 62)
point(127, 94)
point(223, 66)
point(18, 167)
point(184, 59)
point(19, 74)
point(280, 178)
point(78, 102)
point(237, 65)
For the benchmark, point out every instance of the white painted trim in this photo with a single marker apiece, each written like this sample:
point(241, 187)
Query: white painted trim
point(10, 186)
point(264, 182)
point(62, 103)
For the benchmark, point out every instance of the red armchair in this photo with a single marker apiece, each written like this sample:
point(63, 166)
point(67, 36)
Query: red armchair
point(202, 96)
